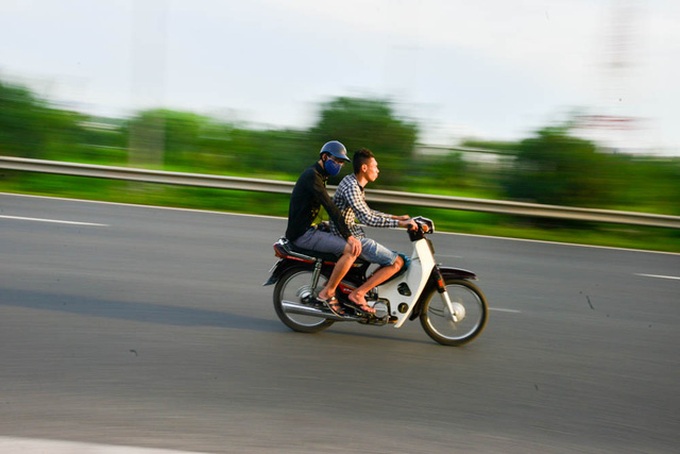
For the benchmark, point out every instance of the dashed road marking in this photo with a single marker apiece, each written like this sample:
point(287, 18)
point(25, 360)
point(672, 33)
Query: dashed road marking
point(40, 446)
point(54, 221)
point(659, 276)
point(500, 309)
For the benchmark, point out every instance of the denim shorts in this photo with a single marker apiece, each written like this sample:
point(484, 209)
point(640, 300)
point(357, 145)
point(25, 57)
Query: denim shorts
point(374, 252)
point(318, 240)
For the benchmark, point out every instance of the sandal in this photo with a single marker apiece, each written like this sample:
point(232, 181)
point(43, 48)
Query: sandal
point(333, 304)
point(363, 307)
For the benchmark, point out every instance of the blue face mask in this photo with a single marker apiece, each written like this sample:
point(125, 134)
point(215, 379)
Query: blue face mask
point(332, 167)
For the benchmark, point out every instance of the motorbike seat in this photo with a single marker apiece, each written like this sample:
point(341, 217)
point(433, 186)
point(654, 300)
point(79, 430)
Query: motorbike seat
point(283, 247)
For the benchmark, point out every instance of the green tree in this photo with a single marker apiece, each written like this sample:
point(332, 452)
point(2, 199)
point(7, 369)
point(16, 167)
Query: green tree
point(373, 124)
point(167, 136)
point(265, 153)
point(29, 127)
point(556, 168)
point(192, 142)
point(20, 122)
point(649, 184)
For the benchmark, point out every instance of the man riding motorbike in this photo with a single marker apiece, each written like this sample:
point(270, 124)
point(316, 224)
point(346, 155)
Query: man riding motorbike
point(308, 195)
point(350, 198)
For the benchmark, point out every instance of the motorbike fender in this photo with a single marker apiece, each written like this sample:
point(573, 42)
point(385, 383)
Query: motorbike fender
point(279, 267)
point(274, 274)
point(457, 273)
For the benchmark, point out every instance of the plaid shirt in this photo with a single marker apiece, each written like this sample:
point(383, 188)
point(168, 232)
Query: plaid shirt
point(351, 201)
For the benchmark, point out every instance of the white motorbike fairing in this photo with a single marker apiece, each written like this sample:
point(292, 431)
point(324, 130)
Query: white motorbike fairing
point(403, 293)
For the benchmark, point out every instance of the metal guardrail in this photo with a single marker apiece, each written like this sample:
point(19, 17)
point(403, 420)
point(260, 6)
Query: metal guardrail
point(393, 197)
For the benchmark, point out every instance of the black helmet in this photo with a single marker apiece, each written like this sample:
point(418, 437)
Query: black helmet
point(335, 149)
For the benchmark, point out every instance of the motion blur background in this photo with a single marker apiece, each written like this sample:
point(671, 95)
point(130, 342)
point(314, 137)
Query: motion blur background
point(558, 102)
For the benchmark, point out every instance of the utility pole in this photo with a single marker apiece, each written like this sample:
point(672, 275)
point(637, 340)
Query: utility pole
point(147, 138)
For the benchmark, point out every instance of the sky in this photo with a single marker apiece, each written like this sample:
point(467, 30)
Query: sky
point(488, 69)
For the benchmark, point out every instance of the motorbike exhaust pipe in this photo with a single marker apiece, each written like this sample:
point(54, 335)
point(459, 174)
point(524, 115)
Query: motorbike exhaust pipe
point(301, 309)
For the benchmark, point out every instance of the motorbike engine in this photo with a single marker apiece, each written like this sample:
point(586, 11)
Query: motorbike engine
point(381, 309)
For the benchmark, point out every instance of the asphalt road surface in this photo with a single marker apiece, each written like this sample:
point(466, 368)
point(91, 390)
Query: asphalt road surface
point(124, 326)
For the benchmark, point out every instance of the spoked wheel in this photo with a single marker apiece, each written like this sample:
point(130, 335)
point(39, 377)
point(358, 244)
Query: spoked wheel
point(470, 306)
point(294, 286)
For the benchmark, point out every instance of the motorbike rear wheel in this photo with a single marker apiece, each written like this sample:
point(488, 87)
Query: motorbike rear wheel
point(294, 285)
point(435, 317)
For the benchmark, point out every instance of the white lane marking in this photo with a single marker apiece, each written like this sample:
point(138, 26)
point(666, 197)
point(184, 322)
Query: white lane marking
point(263, 216)
point(54, 221)
point(40, 446)
point(558, 243)
point(658, 276)
point(511, 311)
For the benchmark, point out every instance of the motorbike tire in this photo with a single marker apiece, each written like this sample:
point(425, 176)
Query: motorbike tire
point(435, 316)
point(294, 285)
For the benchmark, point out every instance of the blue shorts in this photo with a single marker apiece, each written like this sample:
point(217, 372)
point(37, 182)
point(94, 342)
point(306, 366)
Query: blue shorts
point(374, 252)
point(320, 241)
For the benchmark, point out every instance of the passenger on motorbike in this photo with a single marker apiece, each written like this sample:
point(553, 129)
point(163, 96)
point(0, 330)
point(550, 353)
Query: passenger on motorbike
point(309, 194)
point(351, 200)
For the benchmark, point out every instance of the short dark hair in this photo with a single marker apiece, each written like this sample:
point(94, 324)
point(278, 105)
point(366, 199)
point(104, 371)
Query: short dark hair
point(361, 157)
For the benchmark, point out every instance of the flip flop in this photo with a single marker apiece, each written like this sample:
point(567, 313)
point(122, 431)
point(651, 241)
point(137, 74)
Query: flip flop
point(361, 307)
point(333, 305)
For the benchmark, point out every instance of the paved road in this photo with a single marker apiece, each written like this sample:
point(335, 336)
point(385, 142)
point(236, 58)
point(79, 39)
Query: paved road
point(149, 327)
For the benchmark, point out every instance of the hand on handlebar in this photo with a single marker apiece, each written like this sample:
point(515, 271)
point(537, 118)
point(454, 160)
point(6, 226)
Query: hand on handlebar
point(409, 223)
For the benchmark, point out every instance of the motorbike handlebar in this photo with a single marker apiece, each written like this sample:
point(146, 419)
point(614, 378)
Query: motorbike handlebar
point(424, 226)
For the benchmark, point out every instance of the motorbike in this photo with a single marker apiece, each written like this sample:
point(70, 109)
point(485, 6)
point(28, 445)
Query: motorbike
point(451, 308)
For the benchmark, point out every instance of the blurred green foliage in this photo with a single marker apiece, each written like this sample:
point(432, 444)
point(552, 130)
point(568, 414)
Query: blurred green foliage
point(550, 167)
point(30, 128)
point(554, 168)
point(373, 124)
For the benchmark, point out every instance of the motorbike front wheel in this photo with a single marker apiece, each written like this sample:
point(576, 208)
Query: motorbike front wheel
point(435, 316)
point(294, 286)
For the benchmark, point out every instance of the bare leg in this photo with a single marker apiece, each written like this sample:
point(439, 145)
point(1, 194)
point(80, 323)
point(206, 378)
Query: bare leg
point(341, 268)
point(377, 278)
